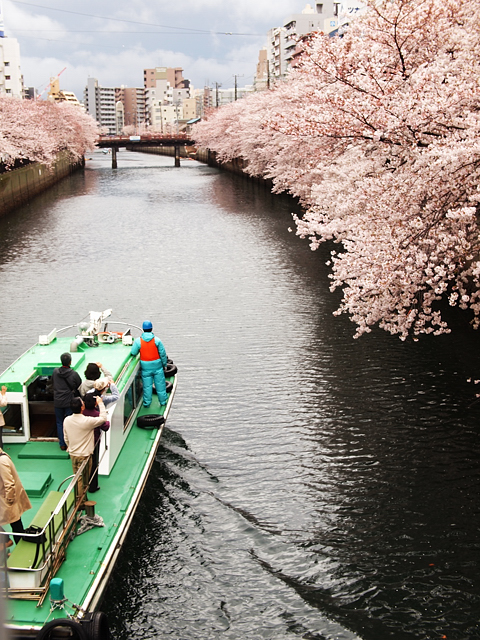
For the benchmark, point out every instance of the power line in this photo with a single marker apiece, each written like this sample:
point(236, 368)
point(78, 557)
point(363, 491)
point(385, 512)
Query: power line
point(148, 24)
point(116, 33)
point(82, 44)
point(120, 46)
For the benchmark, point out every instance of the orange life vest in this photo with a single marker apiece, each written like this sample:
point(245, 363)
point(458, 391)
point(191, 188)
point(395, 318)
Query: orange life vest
point(148, 350)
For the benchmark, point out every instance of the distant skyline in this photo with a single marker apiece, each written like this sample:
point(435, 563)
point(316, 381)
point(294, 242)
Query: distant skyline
point(114, 40)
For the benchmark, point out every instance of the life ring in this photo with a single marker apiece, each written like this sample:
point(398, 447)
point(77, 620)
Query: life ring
point(170, 370)
point(149, 422)
point(97, 626)
point(168, 387)
point(77, 632)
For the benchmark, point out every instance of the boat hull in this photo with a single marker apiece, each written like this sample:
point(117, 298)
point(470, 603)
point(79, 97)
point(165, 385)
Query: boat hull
point(127, 455)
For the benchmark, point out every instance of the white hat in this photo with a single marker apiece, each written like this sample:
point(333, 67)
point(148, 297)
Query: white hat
point(101, 384)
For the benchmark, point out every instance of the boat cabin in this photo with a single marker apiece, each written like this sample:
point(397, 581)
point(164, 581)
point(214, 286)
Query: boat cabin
point(30, 413)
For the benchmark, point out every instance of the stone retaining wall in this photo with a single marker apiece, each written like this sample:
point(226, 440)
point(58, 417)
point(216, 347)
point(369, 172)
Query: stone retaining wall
point(160, 151)
point(19, 186)
point(208, 157)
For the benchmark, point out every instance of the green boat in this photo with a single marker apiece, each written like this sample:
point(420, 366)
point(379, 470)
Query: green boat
point(53, 578)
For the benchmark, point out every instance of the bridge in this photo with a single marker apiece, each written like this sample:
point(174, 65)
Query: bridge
point(114, 142)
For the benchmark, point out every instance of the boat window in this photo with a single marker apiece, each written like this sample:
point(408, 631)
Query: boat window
point(12, 414)
point(133, 396)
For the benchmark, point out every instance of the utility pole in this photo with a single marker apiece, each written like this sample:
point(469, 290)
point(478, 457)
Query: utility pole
point(237, 76)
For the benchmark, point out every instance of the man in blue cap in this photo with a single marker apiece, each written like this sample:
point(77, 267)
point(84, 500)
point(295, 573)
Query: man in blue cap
point(153, 359)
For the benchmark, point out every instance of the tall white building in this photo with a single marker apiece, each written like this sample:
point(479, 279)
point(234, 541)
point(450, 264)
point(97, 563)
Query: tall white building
point(348, 11)
point(165, 90)
point(282, 41)
point(11, 80)
point(100, 104)
point(230, 95)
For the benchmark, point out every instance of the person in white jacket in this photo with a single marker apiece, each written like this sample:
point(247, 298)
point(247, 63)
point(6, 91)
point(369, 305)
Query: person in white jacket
point(79, 436)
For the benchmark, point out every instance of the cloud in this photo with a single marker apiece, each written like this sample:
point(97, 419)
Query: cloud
point(116, 52)
point(16, 17)
point(127, 67)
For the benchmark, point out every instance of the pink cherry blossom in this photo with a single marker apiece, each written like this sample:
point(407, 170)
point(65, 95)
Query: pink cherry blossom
point(39, 130)
point(378, 134)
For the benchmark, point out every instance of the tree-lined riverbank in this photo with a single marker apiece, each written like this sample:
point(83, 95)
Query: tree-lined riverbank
point(308, 485)
point(378, 134)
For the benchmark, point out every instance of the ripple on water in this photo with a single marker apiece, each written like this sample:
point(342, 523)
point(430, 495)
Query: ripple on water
point(309, 484)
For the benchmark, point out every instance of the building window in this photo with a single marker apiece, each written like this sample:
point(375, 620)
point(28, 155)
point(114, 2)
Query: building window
point(336, 5)
point(7, 64)
point(319, 8)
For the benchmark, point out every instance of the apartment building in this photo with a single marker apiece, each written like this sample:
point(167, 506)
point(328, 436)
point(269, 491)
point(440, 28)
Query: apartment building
point(282, 41)
point(100, 104)
point(233, 93)
point(164, 87)
point(262, 76)
point(133, 100)
point(11, 79)
point(173, 75)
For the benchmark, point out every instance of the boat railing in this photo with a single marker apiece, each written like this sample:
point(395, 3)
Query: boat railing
point(52, 539)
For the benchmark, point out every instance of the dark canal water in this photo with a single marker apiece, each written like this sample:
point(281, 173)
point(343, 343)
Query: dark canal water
point(309, 485)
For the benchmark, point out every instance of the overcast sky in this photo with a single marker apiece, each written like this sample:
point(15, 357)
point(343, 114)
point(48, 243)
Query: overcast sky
point(115, 40)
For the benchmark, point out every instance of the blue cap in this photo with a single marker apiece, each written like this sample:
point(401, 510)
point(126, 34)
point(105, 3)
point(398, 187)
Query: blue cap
point(147, 325)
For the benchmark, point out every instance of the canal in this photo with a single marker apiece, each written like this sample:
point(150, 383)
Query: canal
point(308, 485)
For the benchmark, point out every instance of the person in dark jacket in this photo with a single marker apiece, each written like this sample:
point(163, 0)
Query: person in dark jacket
point(65, 387)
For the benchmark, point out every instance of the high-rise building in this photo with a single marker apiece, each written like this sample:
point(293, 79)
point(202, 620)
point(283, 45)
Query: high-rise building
point(262, 77)
point(173, 75)
point(282, 41)
point(11, 79)
point(133, 100)
point(277, 60)
point(100, 104)
point(164, 87)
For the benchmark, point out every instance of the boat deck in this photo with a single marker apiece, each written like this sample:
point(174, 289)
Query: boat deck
point(87, 552)
point(43, 467)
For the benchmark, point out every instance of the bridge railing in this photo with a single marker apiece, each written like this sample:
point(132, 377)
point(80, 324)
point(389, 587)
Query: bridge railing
point(143, 138)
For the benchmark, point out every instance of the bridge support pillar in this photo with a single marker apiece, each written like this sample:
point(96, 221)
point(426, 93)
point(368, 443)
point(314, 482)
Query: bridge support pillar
point(114, 157)
point(177, 155)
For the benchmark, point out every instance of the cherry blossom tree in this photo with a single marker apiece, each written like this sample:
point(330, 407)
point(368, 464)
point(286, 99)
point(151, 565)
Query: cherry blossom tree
point(377, 133)
point(39, 130)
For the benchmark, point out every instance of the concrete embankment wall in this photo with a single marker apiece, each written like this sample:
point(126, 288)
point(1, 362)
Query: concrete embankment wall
point(208, 157)
point(19, 186)
point(160, 151)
